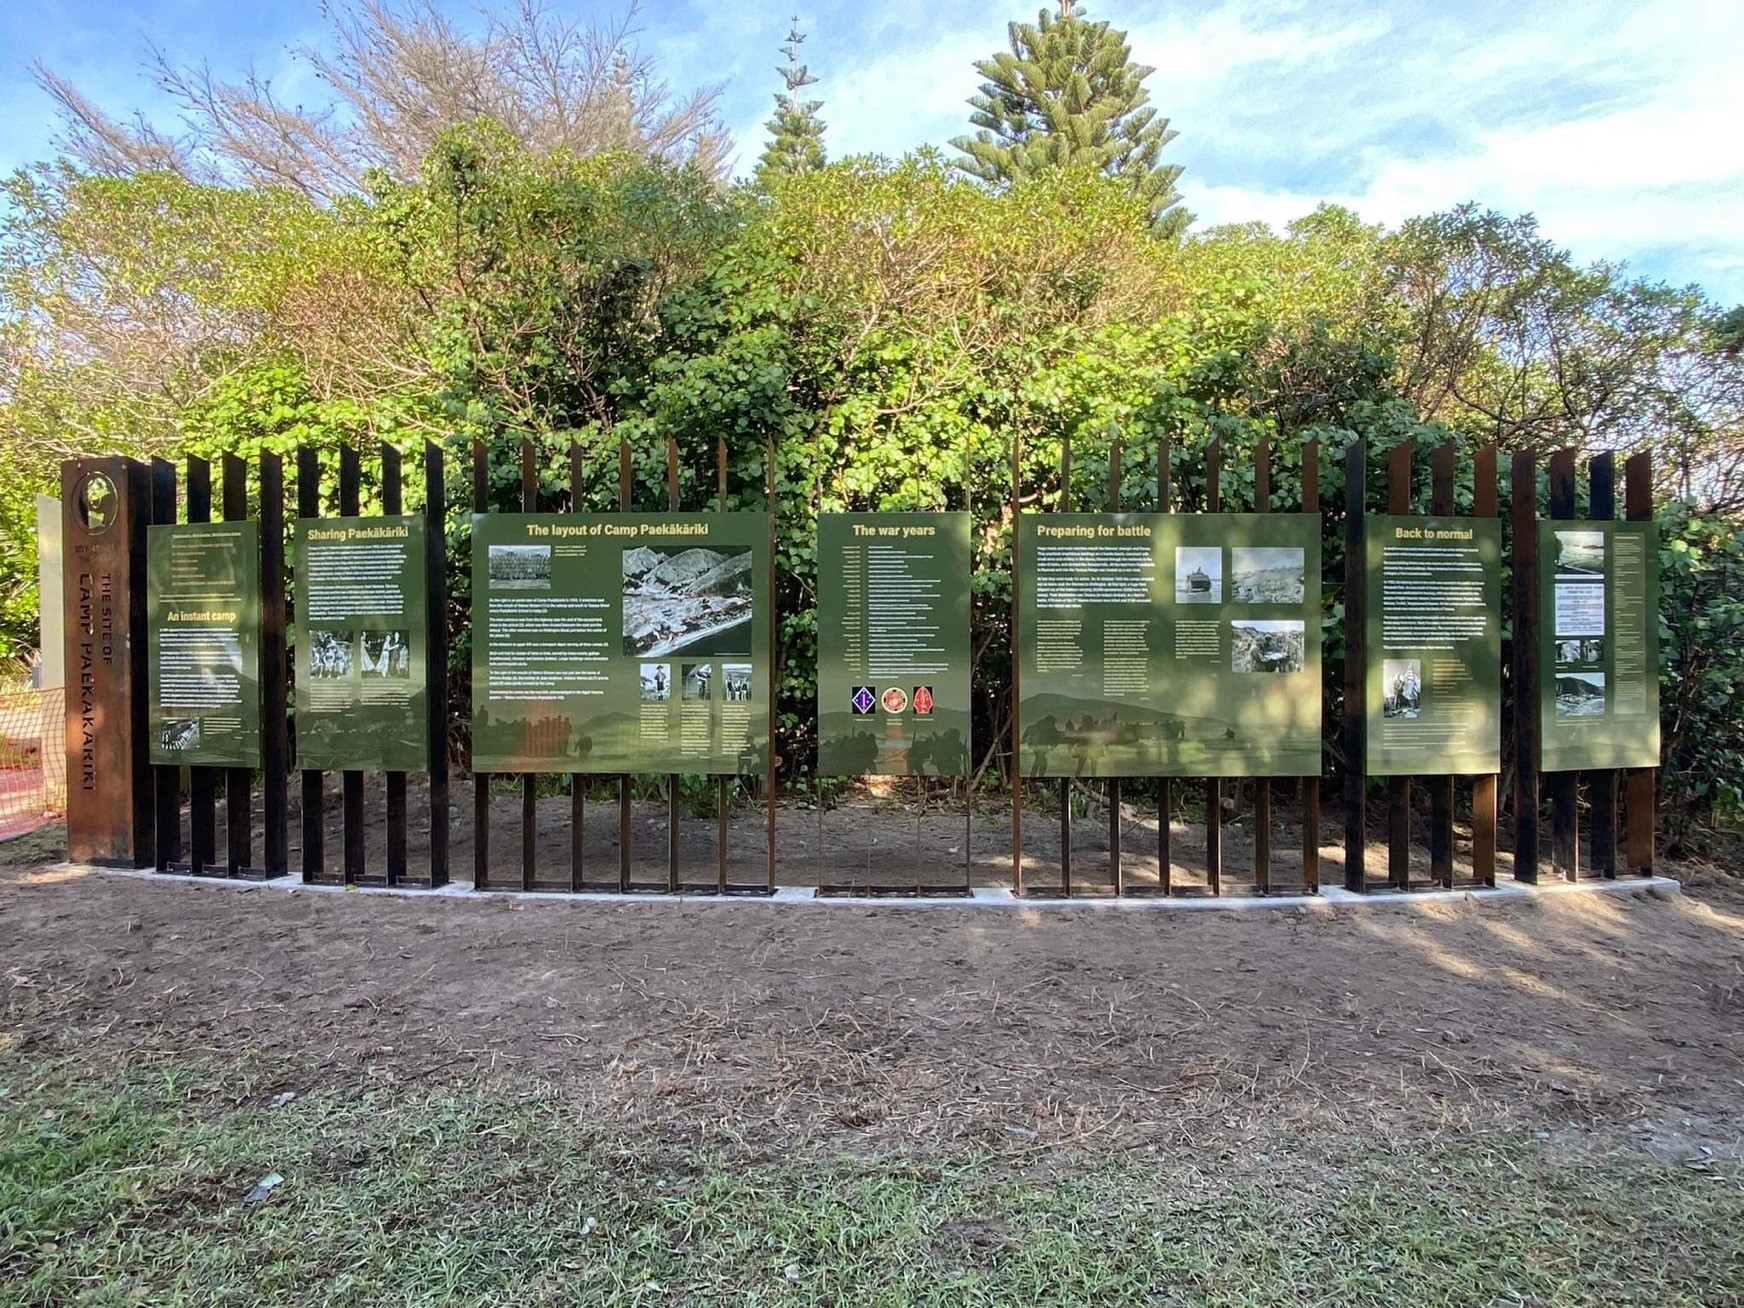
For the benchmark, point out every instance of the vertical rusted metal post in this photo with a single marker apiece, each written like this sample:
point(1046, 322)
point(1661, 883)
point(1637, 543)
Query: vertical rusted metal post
point(1165, 785)
point(1115, 469)
point(626, 815)
point(1356, 773)
point(1484, 787)
point(1214, 785)
point(1399, 788)
point(1640, 807)
point(436, 637)
point(1311, 785)
point(1564, 787)
point(1442, 474)
point(1523, 518)
point(1262, 819)
point(1602, 784)
point(481, 813)
point(396, 781)
point(351, 796)
point(1016, 668)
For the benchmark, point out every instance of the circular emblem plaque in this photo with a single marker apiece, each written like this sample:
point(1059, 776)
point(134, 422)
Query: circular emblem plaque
point(96, 502)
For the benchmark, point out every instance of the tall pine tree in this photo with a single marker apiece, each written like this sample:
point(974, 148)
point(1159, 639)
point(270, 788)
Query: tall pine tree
point(796, 133)
point(1067, 94)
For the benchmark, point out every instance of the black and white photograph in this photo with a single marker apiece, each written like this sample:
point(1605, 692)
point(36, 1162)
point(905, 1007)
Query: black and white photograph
point(387, 654)
point(331, 653)
point(1580, 554)
point(1198, 574)
point(687, 599)
point(736, 682)
point(656, 681)
point(520, 567)
point(1401, 688)
point(1580, 694)
point(1267, 575)
point(695, 679)
point(179, 733)
point(1280, 646)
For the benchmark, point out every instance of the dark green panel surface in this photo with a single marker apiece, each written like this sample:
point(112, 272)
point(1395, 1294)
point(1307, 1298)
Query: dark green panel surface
point(362, 671)
point(1598, 643)
point(893, 644)
point(203, 621)
point(620, 642)
point(1434, 644)
point(1169, 644)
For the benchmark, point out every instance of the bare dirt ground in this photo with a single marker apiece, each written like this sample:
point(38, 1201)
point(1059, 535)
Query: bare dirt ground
point(775, 1029)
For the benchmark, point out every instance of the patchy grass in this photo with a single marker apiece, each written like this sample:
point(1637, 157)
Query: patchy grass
point(131, 1192)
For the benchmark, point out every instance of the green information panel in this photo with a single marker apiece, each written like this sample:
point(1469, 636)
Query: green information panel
point(203, 620)
point(362, 675)
point(620, 642)
point(1598, 645)
point(893, 644)
point(1169, 645)
point(1434, 645)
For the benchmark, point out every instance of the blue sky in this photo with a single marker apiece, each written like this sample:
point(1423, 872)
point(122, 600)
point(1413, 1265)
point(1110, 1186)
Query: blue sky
point(1620, 123)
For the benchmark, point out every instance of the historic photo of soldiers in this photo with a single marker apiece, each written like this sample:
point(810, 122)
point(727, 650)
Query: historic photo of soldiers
point(1401, 688)
point(330, 653)
point(689, 598)
point(1265, 575)
point(1198, 574)
point(520, 567)
point(656, 681)
point(1280, 647)
point(387, 654)
point(695, 680)
point(736, 680)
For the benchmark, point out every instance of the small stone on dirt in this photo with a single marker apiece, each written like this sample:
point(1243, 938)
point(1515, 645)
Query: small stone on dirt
point(263, 1187)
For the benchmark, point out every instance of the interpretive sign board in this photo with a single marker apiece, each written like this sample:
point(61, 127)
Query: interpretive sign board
point(1434, 641)
point(1598, 685)
point(620, 642)
point(1169, 645)
point(203, 616)
point(893, 644)
point(362, 667)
